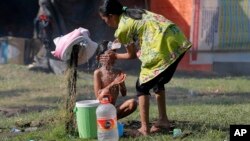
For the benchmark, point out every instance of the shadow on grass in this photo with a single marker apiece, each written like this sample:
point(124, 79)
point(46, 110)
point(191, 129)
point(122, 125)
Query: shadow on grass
point(51, 99)
point(200, 74)
point(15, 111)
point(210, 98)
point(176, 96)
point(198, 126)
point(179, 95)
point(12, 93)
point(187, 127)
point(193, 74)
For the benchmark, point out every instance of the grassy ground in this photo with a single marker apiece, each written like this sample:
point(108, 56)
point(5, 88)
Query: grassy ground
point(201, 104)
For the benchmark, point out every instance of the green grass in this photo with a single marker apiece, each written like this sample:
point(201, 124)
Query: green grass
point(205, 105)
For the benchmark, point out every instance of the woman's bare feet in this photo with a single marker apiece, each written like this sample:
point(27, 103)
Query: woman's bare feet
point(143, 131)
point(161, 126)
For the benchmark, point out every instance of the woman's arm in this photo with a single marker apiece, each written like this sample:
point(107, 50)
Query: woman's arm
point(111, 55)
point(130, 54)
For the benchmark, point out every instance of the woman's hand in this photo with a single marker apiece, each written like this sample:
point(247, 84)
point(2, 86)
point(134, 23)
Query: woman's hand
point(108, 57)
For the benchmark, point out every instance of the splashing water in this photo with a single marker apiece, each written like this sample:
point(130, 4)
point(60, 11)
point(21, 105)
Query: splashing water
point(71, 73)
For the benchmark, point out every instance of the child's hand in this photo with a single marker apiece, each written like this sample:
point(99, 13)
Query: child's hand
point(119, 78)
point(105, 93)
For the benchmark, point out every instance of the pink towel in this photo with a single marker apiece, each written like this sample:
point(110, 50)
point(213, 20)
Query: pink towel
point(65, 43)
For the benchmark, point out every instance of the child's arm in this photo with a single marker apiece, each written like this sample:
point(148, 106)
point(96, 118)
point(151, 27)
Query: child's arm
point(97, 82)
point(101, 92)
point(120, 78)
point(123, 89)
point(122, 86)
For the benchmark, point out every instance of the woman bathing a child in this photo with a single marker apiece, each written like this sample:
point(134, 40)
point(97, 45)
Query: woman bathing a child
point(162, 46)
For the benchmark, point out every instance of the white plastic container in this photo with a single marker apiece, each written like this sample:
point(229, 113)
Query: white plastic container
point(106, 121)
point(114, 45)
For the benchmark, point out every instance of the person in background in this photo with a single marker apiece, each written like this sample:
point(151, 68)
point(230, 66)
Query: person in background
point(162, 45)
point(109, 82)
point(48, 24)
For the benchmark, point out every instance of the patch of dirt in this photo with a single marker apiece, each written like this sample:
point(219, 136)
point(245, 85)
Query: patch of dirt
point(26, 126)
point(14, 111)
point(130, 127)
point(133, 125)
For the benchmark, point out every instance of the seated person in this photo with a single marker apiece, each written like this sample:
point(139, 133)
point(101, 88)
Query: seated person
point(108, 82)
